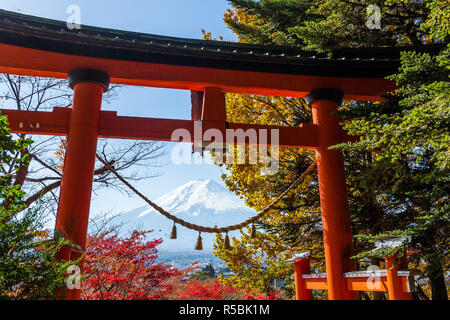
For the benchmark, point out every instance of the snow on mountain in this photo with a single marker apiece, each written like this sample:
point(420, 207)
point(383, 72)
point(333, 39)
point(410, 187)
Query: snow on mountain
point(203, 202)
point(197, 197)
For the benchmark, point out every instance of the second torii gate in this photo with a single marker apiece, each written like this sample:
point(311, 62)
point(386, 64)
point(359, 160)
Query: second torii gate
point(93, 57)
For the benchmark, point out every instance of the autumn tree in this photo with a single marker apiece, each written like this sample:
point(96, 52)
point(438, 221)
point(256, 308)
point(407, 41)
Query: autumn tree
point(212, 289)
point(206, 289)
point(125, 268)
point(256, 263)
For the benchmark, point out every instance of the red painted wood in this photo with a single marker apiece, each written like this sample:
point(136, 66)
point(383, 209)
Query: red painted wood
point(394, 282)
point(76, 185)
point(119, 127)
point(337, 234)
point(301, 267)
point(32, 62)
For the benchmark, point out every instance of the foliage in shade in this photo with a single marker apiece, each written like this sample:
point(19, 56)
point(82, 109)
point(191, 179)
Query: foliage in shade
point(397, 176)
point(412, 130)
point(24, 272)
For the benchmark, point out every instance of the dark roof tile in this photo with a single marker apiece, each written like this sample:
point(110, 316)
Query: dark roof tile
point(52, 35)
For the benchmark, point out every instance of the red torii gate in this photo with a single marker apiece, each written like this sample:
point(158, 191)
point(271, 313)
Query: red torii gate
point(93, 57)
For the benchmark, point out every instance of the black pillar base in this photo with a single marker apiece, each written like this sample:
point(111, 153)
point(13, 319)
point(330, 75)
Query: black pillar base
point(335, 95)
point(88, 75)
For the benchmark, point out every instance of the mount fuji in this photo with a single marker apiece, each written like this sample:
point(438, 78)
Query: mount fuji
point(202, 202)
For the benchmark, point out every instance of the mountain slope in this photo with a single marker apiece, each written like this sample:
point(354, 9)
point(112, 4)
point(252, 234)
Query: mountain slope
point(203, 202)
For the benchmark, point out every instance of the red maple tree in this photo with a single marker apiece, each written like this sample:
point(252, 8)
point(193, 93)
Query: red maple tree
point(212, 289)
point(126, 269)
point(273, 295)
point(209, 289)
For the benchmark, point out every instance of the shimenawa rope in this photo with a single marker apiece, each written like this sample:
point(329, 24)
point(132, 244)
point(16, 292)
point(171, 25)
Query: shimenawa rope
point(203, 228)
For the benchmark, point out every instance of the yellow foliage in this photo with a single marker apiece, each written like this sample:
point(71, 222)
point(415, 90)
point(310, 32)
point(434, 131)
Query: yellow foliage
point(257, 262)
point(61, 155)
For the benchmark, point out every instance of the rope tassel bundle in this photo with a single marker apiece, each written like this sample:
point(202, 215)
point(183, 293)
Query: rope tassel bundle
point(199, 245)
point(173, 234)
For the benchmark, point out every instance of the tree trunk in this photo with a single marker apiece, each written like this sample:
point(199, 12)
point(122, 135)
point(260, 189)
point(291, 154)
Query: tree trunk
point(438, 287)
point(437, 279)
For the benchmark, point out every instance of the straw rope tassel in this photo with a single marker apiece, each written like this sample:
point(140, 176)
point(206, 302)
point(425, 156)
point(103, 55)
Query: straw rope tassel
point(199, 245)
point(173, 234)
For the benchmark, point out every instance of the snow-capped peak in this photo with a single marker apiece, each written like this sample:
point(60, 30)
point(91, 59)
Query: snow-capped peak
point(202, 202)
point(198, 196)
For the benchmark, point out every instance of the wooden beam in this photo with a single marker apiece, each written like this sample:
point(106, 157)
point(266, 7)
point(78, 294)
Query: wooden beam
point(316, 284)
point(362, 284)
point(54, 123)
point(361, 281)
point(120, 127)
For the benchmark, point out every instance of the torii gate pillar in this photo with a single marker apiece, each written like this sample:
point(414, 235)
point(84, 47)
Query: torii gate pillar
point(337, 234)
point(76, 185)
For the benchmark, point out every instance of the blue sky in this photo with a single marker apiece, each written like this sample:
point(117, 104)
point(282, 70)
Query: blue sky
point(165, 17)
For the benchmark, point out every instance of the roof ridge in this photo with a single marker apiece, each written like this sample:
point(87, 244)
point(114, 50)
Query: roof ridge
point(5, 14)
point(53, 35)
